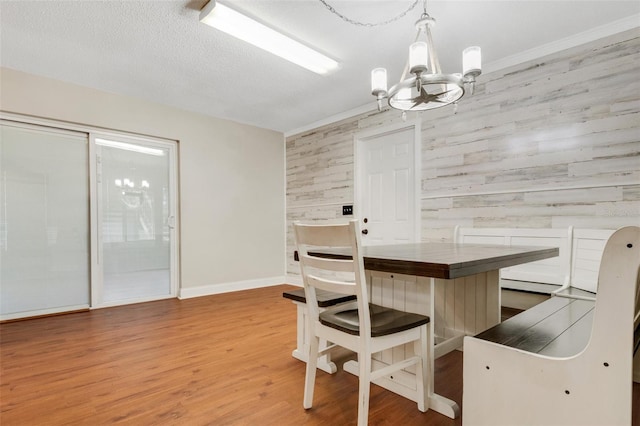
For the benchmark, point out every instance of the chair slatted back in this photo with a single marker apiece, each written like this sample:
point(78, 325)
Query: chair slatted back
point(340, 272)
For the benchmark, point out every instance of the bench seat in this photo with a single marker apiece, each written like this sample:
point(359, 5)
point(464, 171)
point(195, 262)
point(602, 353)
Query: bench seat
point(575, 293)
point(559, 327)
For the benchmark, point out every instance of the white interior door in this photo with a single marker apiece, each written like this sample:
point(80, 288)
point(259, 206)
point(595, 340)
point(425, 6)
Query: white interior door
point(387, 184)
point(136, 208)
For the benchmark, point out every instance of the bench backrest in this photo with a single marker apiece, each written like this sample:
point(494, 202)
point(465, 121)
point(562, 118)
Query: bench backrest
point(616, 305)
point(555, 270)
point(588, 245)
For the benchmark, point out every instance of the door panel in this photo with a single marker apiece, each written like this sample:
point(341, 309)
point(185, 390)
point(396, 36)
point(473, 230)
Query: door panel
point(387, 187)
point(44, 221)
point(134, 217)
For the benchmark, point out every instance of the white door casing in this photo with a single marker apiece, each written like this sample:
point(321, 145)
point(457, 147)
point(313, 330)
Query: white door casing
point(387, 183)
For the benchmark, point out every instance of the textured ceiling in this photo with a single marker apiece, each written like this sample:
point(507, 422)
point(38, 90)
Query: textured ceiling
point(159, 51)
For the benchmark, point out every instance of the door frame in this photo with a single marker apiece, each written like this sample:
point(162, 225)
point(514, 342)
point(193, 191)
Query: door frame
point(361, 138)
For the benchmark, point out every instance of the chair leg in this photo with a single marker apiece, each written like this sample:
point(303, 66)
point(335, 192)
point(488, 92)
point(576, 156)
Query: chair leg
point(423, 373)
point(364, 362)
point(310, 376)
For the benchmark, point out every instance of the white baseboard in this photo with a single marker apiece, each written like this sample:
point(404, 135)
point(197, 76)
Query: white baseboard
point(43, 312)
point(207, 290)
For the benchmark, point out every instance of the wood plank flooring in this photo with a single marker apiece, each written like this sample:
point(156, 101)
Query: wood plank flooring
point(217, 360)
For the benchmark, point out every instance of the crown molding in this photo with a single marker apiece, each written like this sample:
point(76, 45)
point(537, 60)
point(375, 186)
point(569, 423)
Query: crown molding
point(578, 39)
point(368, 107)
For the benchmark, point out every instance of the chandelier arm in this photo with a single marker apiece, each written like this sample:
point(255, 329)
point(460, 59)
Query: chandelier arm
point(368, 24)
point(433, 55)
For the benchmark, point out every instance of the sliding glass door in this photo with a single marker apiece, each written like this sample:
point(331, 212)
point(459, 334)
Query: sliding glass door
point(44, 220)
point(86, 219)
point(135, 210)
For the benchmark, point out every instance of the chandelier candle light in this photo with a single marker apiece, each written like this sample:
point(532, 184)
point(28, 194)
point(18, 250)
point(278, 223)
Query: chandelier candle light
point(428, 87)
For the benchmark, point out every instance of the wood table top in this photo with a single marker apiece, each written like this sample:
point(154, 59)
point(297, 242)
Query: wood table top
point(448, 260)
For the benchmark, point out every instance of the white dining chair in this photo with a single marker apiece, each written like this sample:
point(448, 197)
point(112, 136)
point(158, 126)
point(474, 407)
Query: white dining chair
point(359, 326)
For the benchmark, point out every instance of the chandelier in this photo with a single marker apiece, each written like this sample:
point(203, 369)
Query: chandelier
point(427, 87)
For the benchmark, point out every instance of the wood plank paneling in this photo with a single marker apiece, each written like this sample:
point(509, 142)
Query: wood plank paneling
point(551, 142)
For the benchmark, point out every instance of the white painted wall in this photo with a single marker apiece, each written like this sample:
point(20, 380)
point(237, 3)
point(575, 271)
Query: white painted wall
point(231, 177)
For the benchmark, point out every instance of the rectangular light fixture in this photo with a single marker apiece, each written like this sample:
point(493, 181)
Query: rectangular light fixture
point(246, 29)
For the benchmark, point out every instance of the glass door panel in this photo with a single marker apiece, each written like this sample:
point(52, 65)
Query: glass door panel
point(44, 221)
point(135, 221)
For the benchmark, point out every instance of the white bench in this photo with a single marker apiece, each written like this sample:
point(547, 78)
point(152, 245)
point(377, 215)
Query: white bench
point(573, 274)
point(564, 361)
point(586, 252)
point(544, 276)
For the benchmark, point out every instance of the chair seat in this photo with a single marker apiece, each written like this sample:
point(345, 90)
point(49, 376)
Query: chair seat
point(384, 321)
point(324, 298)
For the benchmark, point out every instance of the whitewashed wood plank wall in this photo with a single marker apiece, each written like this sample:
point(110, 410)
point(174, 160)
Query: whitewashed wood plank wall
point(548, 143)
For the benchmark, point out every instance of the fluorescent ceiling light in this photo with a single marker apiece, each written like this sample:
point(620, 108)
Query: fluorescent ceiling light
point(240, 26)
point(130, 147)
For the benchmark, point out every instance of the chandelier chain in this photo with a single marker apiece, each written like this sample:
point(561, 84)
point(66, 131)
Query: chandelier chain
point(369, 24)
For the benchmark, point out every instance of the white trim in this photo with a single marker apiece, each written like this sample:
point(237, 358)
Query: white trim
point(132, 301)
point(362, 109)
point(374, 132)
point(308, 206)
point(68, 126)
point(41, 312)
point(519, 191)
point(207, 290)
point(285, 224)
point(584, 37)
point(43, 129)
point(95, 223)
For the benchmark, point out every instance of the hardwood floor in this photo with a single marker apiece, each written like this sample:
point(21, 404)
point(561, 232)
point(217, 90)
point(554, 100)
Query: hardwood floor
point(217, 360)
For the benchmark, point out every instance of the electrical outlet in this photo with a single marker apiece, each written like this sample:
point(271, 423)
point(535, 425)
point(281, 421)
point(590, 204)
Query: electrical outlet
point(347, 210)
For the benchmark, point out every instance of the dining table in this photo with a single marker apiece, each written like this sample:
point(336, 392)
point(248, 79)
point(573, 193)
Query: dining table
point(456, 285)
